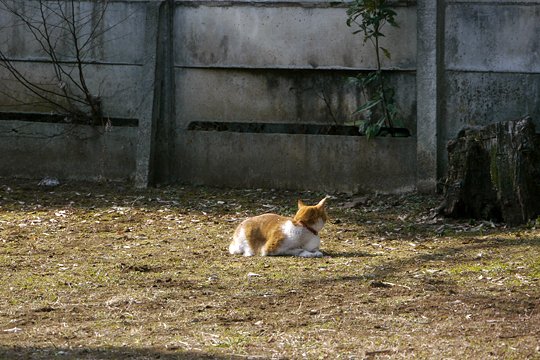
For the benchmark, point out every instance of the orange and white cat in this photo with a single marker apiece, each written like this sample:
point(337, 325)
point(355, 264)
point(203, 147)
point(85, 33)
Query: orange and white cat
point(272, 234)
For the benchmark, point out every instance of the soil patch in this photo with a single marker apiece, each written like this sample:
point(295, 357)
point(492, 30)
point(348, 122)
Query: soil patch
point(103, 271)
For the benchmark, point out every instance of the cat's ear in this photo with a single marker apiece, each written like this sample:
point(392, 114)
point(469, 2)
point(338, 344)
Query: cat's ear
point(301, 204)
point(322, 202)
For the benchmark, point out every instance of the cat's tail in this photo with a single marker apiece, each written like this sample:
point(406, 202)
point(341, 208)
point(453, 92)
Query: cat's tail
point(239, 244)
point(235, 248)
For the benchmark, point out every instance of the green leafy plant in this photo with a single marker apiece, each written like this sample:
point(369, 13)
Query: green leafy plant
point(380, 109)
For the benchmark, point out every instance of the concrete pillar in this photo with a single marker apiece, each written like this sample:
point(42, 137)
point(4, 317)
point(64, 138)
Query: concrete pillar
point(147, 118)
point(430, 45)
point(165, 136)
point(155, 145)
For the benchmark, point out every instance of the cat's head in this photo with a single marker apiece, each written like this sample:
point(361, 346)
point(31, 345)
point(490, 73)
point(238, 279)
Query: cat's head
point(313, 216)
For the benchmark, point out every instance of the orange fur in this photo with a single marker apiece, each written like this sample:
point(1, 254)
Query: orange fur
point(272, 234)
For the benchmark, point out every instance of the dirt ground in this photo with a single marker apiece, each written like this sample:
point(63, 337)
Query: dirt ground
point(104, 271)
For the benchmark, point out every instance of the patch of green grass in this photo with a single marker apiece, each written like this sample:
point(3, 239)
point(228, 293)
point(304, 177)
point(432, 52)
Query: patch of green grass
point(492, 267)
point(36, 283)
point(534, 268)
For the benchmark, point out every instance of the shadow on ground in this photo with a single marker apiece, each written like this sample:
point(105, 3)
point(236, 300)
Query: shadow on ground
point(20, 352)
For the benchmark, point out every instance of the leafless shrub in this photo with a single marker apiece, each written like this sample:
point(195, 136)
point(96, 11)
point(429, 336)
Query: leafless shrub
point(65, 33)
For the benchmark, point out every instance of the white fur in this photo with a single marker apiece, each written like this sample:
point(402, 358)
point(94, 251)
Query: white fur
point(240, 245)
point(299, 241)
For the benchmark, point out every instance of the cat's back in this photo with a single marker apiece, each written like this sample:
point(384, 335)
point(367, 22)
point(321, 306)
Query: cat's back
point(254, 232)
point(263, 224)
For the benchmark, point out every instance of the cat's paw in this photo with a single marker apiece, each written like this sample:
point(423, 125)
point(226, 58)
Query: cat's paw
point(310, 254)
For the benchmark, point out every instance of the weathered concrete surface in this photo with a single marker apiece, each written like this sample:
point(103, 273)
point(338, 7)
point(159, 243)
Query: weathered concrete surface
point(307, 96)
point(314, 162)
point(164, 98)
point(429, 59)
point(114, 71)
point(266, 68)
point(481, 98)
point(120, 40)
point(493, 36)
point(285, 37)
point(118, 86)
point(492, 65)
point(112, 61)
point(284, 62)
point(36, 150)
point(147, 123)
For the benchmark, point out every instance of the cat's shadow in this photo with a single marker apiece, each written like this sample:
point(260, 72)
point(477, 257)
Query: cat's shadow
point(347, 254)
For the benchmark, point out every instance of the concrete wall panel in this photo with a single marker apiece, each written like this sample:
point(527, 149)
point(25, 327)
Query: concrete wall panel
point(119, 36)
point(484, 98)
point(282, 96)
point(118, 87)
point(326, 163)
point(35, 150)
point(493, 37)
point(284, 37)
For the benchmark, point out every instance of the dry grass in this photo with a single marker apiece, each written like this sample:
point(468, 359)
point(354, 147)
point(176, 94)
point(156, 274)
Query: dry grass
point(106, 272)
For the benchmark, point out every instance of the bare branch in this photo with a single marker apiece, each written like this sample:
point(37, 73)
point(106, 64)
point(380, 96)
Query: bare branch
point(56, 25)
point(20, 77)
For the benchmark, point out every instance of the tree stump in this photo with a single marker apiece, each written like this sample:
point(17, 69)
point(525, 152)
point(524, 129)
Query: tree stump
point(494, 173)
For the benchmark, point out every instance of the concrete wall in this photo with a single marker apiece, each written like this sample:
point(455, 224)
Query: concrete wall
point(114, 72)
point(492, 64)
point(113, 64)
point(169, 63)
point(277, 62)
point(37, 150)
point(343, 163)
